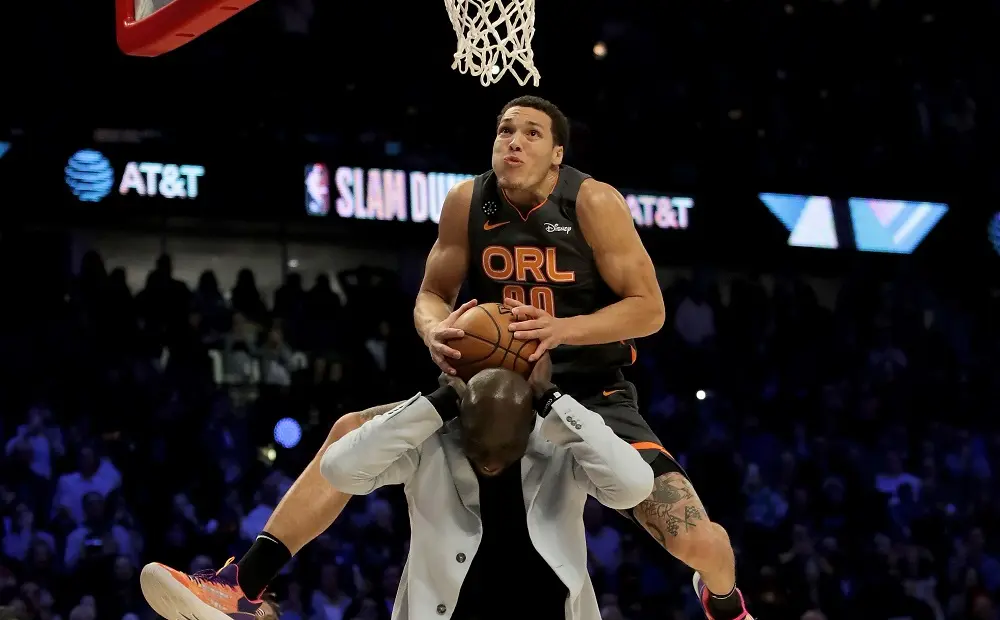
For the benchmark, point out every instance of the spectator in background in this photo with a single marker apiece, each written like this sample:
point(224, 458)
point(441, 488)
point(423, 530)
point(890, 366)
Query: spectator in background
point(328, 601)
point(240, 351)
point(246, 299)
point(95, 475)
point(20, 534)
point(165, 300)
point(39, 439)
point(97, 537)
point(253, 523)
point(765, 508)
point(890, 480)
point(277, 359)
point(324, 310)
point(210, 304)
point(695, 318)
point(603, 541)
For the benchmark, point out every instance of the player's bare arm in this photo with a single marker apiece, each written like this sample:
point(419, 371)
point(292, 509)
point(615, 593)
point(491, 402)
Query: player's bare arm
point(444, 273)
point(606, 223)
point(357, 419)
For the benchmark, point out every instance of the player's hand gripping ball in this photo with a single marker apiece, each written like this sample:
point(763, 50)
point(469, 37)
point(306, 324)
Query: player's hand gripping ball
point(531, 323)
point(443, 333)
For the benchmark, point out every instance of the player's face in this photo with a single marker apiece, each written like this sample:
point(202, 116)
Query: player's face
point(524, 151)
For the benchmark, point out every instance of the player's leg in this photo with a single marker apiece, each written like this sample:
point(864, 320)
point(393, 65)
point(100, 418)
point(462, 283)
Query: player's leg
point(673, 514)
point(306, 511)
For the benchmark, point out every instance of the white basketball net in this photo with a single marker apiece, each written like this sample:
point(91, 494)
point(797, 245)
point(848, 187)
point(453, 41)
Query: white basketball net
point(494, 38)
point(145, 8)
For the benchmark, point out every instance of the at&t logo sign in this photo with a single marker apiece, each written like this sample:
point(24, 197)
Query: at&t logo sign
point(150, 178)
point(89, 175)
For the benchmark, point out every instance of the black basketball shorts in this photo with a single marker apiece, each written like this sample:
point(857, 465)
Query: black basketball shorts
point(615, 400)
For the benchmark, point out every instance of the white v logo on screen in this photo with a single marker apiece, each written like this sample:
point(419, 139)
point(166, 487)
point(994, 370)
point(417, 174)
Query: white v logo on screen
point(890, 226)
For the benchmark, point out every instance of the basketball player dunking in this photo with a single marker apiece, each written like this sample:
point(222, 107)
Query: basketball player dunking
point(564, 250)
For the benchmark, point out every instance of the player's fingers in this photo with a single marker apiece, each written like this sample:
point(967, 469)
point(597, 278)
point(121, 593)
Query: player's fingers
point(543, 346)
point(527, 312)
point(533, 334)
point(445, 351)
point(461, 309)
point(521, 326)
point(443, 365)
point(448, 333)
point(511, 302)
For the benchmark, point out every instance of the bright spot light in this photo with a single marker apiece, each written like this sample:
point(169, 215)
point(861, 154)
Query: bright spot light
point(700, 394)
point(600, 49)
point(288, 433)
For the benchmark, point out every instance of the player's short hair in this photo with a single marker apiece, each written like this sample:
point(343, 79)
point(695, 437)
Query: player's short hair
point(560, 124)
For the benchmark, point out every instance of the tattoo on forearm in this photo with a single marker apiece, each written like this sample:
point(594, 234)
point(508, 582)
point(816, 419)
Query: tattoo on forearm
point(672, 508)
point(372, 412)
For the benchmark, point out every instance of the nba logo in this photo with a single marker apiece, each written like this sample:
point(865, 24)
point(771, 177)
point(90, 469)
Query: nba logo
point(317, 189)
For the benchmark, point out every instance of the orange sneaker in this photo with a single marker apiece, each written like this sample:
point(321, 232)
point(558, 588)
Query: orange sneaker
point(206, 595)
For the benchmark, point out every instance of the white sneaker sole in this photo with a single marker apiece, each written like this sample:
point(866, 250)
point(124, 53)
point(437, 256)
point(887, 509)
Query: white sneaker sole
point(171, 600)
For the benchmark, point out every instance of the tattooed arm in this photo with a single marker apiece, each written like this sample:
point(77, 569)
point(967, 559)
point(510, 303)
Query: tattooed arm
point(373, 412)
point(354, 420)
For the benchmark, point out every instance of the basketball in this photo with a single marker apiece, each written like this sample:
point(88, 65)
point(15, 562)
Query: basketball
point(489, 344)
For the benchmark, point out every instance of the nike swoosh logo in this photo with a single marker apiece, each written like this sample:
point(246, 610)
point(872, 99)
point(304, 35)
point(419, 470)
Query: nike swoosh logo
point(488, 226)
point(610, 392)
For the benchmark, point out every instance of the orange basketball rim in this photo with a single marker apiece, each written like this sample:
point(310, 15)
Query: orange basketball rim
point(154, 27)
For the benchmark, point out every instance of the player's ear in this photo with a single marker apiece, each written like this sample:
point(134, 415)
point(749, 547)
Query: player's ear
point(557, 155)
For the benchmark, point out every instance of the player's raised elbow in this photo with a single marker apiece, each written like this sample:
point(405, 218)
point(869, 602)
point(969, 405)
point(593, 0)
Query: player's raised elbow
point(632, 485)
point(635, 486)
point(342, 472)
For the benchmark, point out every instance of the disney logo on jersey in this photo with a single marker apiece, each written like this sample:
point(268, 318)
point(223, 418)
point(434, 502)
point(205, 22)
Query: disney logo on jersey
point(551, 228)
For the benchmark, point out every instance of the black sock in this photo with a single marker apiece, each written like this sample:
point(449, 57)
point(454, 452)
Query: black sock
point(262, 563)
point(726, 607)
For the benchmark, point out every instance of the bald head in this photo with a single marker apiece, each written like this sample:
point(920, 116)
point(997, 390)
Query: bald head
point(497, 417)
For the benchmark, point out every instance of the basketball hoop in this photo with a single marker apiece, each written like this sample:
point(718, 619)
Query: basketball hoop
point(154, 27)
point(494, 37)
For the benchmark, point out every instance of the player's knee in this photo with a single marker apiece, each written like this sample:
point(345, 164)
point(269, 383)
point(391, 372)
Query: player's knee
point(697, 545)
point(344, 425)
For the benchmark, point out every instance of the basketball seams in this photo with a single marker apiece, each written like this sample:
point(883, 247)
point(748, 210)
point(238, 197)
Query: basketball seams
point(503, 343)
point(495, 345)
point(500, 333)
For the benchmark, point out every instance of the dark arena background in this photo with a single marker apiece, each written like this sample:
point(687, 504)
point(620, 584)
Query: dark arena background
point(211, 255)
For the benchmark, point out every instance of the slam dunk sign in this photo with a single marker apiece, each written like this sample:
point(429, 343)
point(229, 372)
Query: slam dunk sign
point(417, 196)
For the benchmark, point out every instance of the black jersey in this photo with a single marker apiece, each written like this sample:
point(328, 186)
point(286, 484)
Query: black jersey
point(539, 256)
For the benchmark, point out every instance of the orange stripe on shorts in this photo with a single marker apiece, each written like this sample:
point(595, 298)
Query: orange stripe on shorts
point(649, 445)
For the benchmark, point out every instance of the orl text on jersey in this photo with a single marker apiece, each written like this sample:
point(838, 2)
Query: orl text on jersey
point(513, 268)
